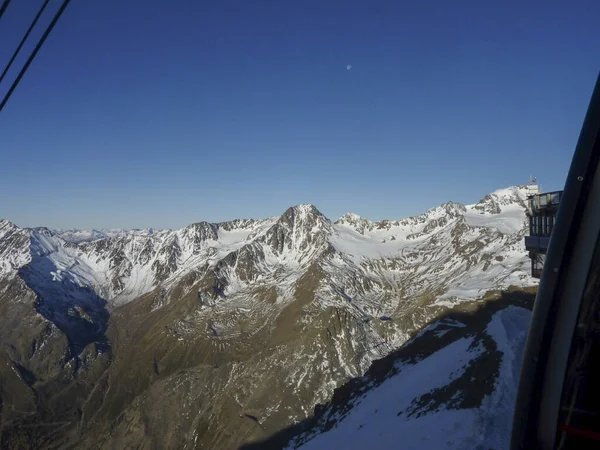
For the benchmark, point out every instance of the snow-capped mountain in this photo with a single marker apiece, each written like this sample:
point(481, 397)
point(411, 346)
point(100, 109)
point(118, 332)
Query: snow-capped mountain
point(120, 266)
point(78, 236)
point(297, 304)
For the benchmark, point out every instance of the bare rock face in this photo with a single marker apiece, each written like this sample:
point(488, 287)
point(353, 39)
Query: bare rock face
point(215, 335)
point(301, 229)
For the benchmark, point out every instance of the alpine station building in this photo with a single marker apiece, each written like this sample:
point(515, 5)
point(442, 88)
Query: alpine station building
point(541, 211)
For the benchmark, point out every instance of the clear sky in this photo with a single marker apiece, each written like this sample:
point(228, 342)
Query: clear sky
point(146, 113)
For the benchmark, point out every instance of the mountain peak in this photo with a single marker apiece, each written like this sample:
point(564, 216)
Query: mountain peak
point(239, 224)
point(203, 227)
point(299, 228)
point(302, 211)
point(493, 203)
point(350, 216)
point(303, 215)
point(450, 208)
point(200, 232)
point(44, 231)
point(454, 209)
point(360, 224)
point(6, 225)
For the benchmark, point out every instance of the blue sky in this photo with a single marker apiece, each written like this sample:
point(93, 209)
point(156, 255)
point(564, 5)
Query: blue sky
point(160, 114)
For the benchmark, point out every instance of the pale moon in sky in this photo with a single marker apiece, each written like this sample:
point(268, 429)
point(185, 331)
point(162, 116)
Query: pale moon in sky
point(348, 67)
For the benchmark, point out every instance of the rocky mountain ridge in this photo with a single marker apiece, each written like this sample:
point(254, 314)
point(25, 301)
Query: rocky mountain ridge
point(236, 329)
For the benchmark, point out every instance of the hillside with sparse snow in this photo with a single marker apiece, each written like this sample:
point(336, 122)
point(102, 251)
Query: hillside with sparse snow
point(452, 386)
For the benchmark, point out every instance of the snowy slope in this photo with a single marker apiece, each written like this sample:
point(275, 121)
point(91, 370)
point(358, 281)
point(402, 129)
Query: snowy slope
point(393, 415)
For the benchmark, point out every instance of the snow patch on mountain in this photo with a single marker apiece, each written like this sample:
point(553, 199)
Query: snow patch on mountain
point(384, 415)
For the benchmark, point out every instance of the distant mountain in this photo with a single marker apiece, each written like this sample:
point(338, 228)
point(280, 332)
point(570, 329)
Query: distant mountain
point(78, 236)
point(218, 334)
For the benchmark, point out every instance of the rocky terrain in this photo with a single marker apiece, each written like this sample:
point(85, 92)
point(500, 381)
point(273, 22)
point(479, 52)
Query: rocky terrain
point(216, 335)
point(453, 385)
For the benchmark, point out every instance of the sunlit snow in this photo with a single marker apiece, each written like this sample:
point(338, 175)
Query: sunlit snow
point(378, 418)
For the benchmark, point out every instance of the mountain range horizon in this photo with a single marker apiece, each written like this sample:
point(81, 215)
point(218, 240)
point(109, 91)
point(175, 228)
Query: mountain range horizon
point(306, 204)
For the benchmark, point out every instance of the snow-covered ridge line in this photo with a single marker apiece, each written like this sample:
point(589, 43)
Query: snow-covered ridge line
point(507, 196)
point(77, 236)
point(501, 200)
point(441, 249)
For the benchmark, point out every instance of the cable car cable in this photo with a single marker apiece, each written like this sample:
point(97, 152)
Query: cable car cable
point(12, 59)
point(3, 7)
point(34, 53)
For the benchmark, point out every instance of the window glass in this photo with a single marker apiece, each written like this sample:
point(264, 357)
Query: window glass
point(543, 200)
point(578, 419)
point(531, 225)
point(544, 225)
